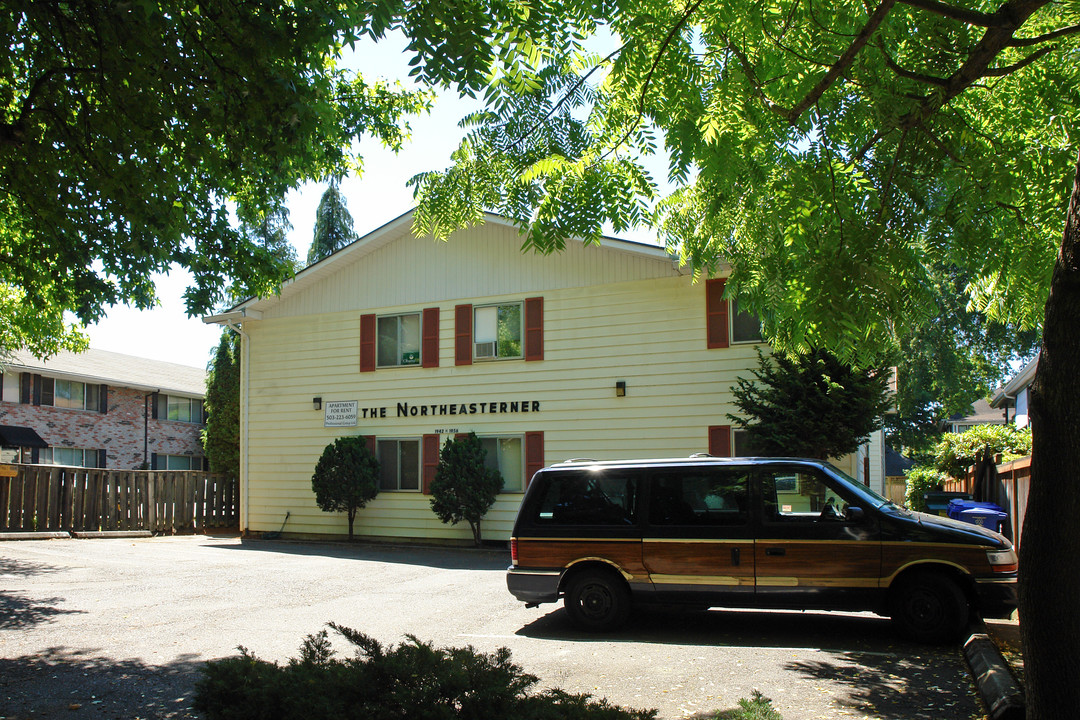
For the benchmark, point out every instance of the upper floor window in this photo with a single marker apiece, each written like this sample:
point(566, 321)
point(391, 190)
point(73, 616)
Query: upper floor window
point(76, 395)
point(70, 394)
point(745, 326)
point(398, 340)
point(497, 331)
point(180, 409)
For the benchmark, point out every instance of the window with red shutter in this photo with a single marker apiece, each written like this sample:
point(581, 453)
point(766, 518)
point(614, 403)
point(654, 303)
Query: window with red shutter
point(534, 454)
point(429, 350)
point(720, 440)
point(367, 343)
point(534, 328)
point(716, 314)
point(463, 334)
point(430, 461)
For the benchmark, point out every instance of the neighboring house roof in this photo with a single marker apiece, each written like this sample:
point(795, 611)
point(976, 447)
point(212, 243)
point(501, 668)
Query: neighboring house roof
point(101, 366)
point(896, 464)
point(1006, 396)
point(982, 413)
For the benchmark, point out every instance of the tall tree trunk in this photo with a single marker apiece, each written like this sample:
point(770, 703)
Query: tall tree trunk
point(1050, 546)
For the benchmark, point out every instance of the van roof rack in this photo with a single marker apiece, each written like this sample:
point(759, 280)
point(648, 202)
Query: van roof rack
point(579, 460)
point(701, 455)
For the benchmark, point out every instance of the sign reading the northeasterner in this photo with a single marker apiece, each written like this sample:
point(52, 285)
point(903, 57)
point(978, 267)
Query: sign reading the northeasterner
point(340, 413)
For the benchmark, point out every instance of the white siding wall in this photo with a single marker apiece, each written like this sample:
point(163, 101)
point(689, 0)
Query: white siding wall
point(480, 262)
point(650, 334)
point(1022, 418)
point(609, 315)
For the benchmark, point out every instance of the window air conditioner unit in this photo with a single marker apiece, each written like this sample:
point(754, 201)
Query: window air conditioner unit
point(486, 349)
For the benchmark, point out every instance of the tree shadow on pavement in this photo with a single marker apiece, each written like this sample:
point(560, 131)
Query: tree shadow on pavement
point(18, 612)
point(10, 567)
point(872, 671)
point(932, 686)
point(81, 686)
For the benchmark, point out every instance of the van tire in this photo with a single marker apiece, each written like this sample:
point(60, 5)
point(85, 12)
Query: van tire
point(929, 607)
point(597, 600)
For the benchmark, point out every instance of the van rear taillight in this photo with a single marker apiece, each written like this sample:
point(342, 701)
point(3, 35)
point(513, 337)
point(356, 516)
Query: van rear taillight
point(513, 550)
point(1002, 561)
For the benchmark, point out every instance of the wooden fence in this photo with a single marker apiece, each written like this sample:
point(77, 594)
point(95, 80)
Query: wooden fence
point(53, 498)
point(1015, 479)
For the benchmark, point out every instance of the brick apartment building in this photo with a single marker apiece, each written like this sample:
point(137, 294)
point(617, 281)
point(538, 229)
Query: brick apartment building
point(101, 409)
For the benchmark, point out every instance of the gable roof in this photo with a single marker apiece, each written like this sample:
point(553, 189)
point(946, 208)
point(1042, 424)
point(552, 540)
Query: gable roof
point(1006, 396)
point(116, 369)
point(400, 228)
point(982, 413)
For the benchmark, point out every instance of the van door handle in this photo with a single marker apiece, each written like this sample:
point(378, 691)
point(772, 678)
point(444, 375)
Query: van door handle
point(775, 552)
point(735, 559)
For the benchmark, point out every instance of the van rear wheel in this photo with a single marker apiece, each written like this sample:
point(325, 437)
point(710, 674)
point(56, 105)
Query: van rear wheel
point(597, 600)
point(929, 607)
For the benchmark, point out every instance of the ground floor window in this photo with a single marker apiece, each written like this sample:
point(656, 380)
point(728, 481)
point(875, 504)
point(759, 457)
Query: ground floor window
point(71, 457)
point(741, 441)
point(399, 464)
point(505, 455)
point(176, 462)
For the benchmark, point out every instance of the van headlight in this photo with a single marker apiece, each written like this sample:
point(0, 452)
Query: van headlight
point(1002, 561)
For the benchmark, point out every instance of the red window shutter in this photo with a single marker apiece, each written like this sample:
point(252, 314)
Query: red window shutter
point(370, 440)
point(534, 454)
point(534, 328)
point(716, 314)
point(429, 347)
point(720, 440)
point(429, 460)
point(463, 335)
point(367, 343)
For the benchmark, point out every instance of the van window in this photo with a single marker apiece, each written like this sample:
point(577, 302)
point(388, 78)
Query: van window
point(793, 495)
point(699, 498)
point(588, 498)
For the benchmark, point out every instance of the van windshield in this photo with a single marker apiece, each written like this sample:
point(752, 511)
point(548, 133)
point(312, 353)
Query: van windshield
point(872, 498)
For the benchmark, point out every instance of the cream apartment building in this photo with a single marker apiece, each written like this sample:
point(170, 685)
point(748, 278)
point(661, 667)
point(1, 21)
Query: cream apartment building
point(601, 351)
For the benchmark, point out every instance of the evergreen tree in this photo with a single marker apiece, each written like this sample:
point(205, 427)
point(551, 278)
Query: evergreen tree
point(811, 405)
point(464, 487)
point(221, 436)
point(333, 224)
point(346, 477)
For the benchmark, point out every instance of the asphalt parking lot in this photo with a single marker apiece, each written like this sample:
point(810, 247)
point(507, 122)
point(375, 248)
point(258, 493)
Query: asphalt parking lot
point(118, 628)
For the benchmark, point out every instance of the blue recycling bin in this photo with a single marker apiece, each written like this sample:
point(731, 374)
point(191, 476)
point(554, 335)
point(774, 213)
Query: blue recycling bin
point(985, 514)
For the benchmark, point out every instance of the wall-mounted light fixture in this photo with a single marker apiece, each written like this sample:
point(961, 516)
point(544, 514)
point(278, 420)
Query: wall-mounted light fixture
point(620, 388)
point(316, 403)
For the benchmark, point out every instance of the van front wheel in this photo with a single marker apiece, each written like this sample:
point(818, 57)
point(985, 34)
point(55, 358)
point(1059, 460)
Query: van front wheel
point(597, 601)
point(929, 607)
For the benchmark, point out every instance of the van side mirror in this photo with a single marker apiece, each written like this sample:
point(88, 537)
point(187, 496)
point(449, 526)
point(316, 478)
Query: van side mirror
point(855, 514)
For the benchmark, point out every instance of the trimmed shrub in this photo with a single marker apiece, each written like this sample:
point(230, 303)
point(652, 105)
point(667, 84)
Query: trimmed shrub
point(414, 680)
point(346, 477)
point(464, 487)
point(956, 452)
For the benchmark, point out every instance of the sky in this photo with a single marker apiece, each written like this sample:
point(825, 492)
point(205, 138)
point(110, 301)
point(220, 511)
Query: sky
point(379, 195)
point(376, 197)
